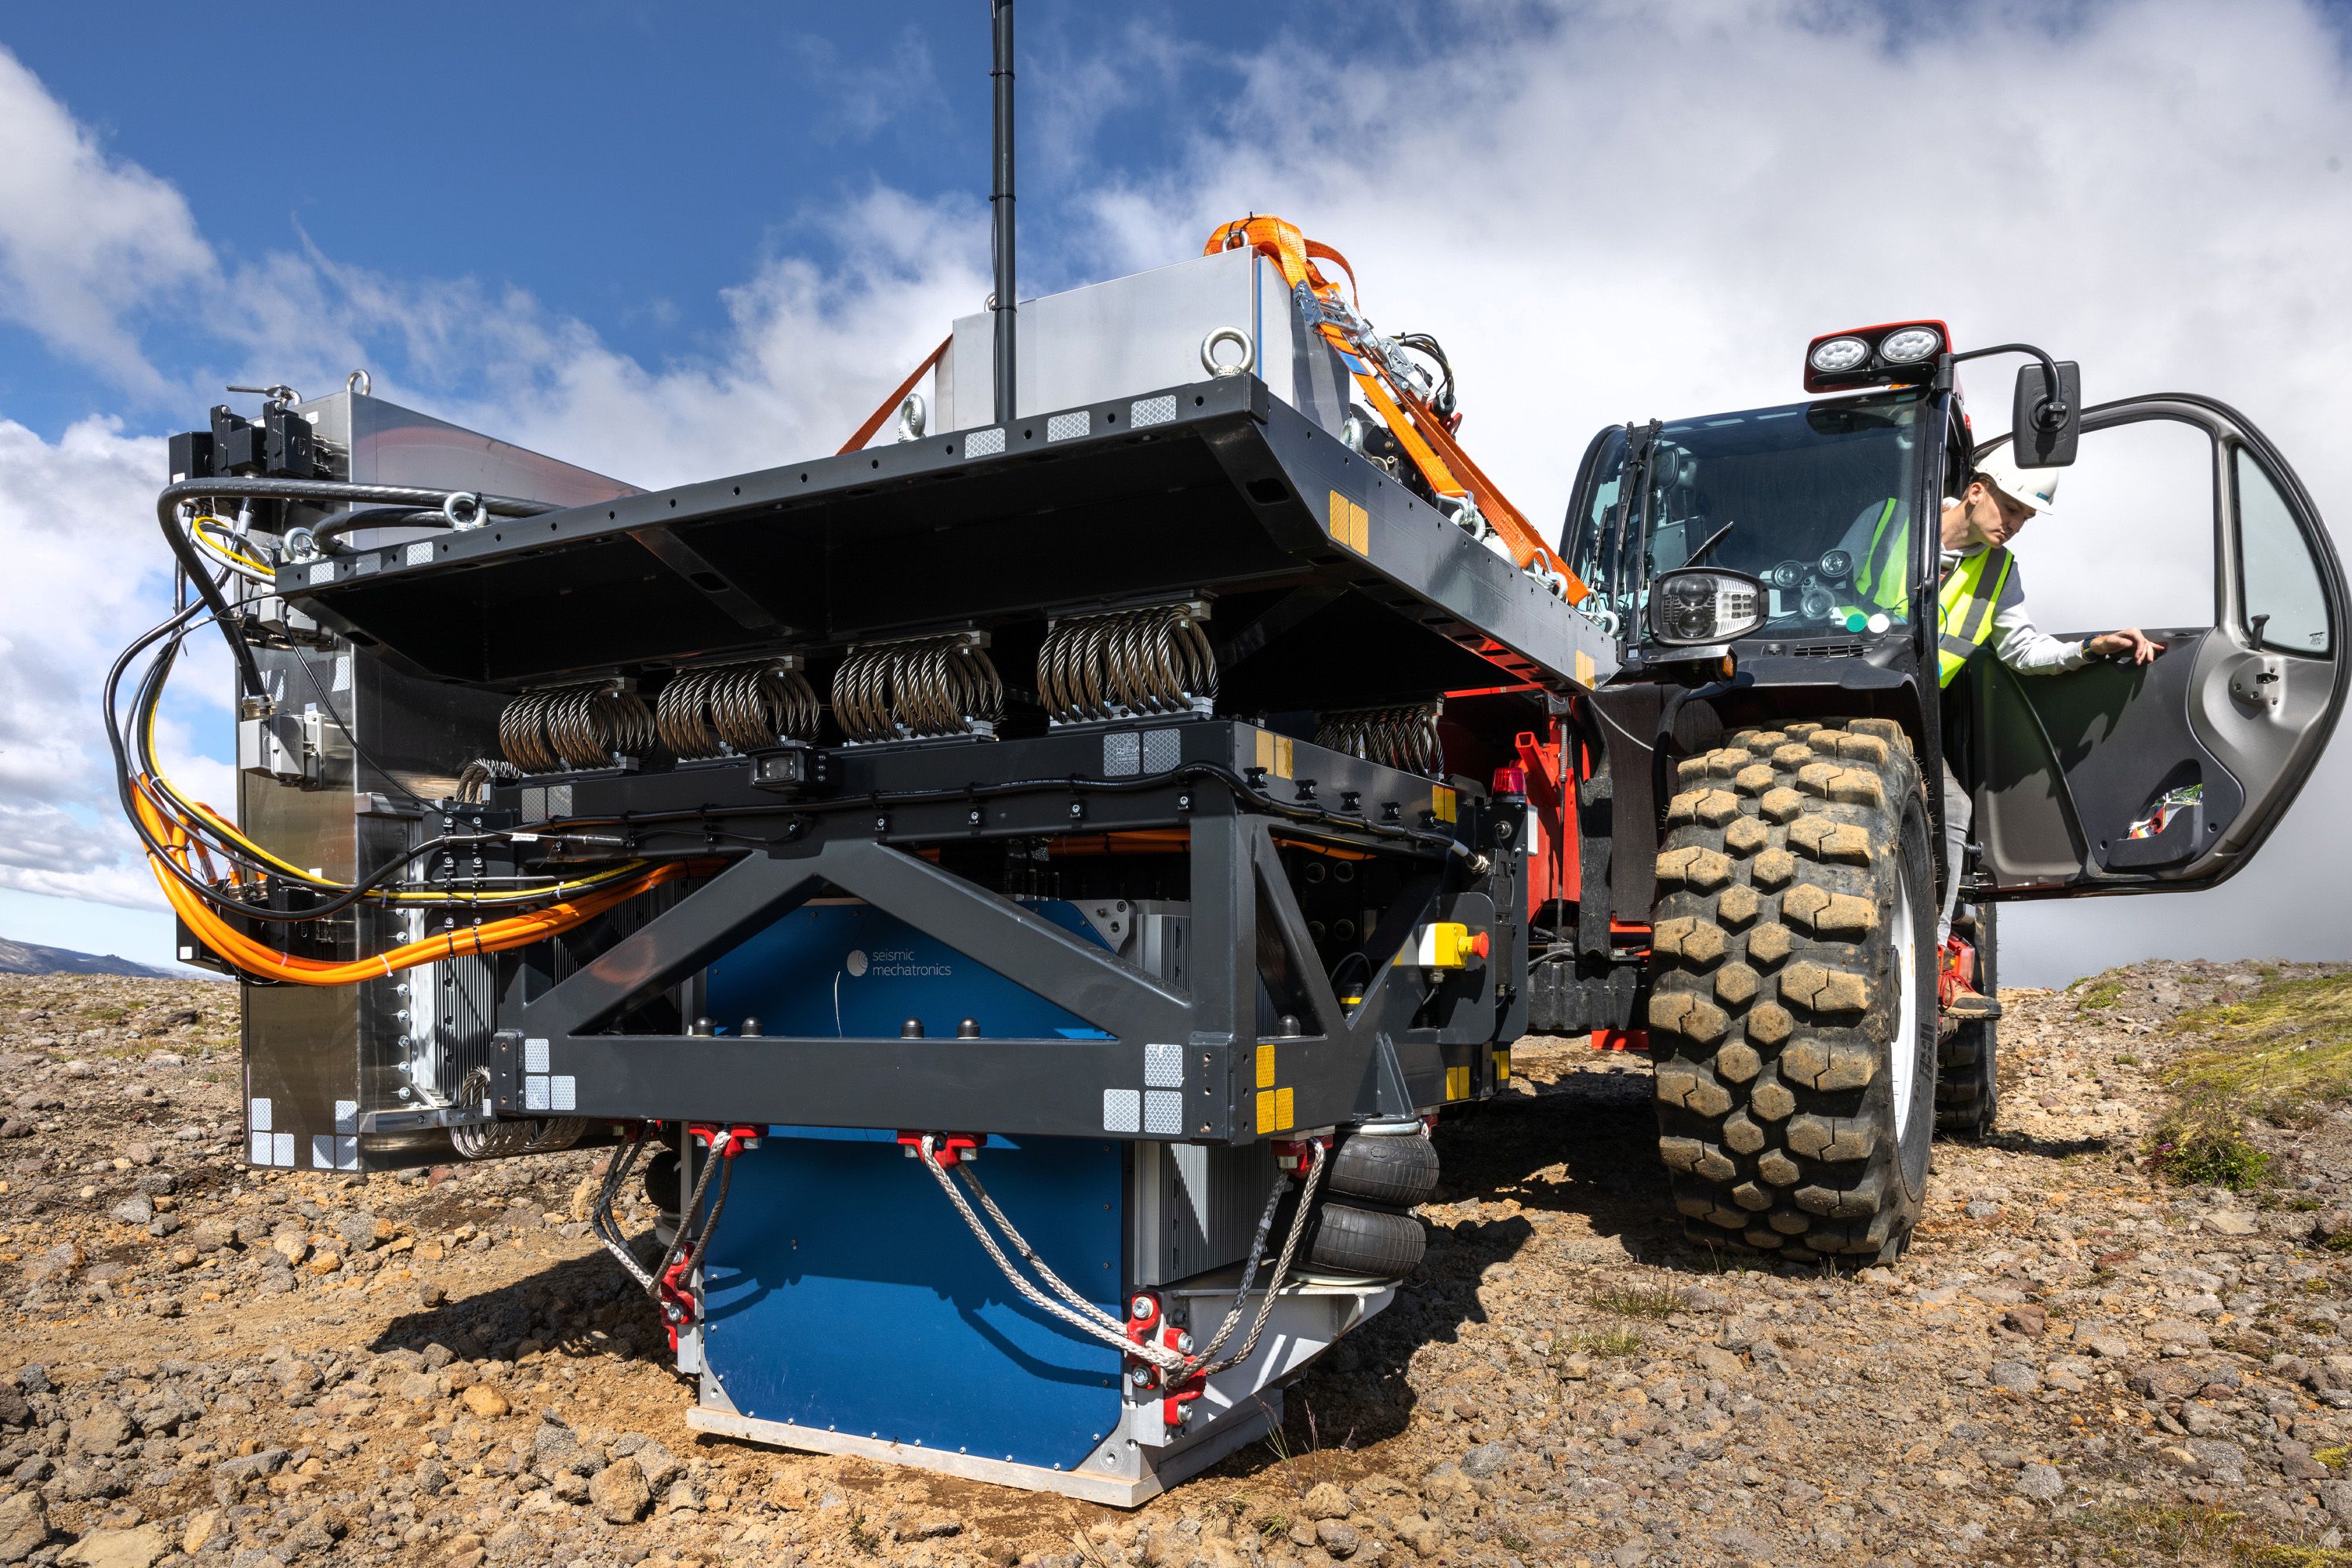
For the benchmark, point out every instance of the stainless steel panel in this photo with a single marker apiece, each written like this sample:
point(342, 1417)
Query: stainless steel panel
point(1130, 334)
point(316, 1060)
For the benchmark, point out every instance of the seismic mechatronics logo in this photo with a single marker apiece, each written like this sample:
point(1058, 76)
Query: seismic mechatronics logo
point(894, 964)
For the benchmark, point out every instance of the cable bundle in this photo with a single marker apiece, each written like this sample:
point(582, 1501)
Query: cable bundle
point(923, 689)
point(735, 708)
point(1404, 737)
point(575, 727)
point(1127, 664)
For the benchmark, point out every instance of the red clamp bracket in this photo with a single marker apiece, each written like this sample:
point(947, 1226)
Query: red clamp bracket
point(677, 1304)
point(725, 1140)
point(1294, 1154)
point(948, 1149)
point(1146, 1322)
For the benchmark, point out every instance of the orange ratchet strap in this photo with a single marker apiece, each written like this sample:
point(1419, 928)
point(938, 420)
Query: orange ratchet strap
point(874, 420)
point(1417, 428)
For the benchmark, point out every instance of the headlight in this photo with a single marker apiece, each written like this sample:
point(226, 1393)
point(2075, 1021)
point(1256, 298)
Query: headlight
point(1705, 606)
point(1839, 355)
point(1836, 563)
point(1909, 346)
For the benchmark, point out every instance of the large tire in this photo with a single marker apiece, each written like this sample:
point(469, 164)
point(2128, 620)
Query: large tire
point(1793, 994)
point(1967, 1081)
point(1347, 1240)
point(1399, 1169)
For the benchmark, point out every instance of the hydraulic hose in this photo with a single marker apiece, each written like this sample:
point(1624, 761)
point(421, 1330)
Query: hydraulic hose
point(167, 515)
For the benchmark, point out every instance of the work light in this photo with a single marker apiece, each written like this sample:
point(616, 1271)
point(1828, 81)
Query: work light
point(1705, 606)
point(1909, 346)
point(1838, 355)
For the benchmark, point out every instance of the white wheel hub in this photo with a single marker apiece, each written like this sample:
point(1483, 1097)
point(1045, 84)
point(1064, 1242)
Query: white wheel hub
point(1903, 1051)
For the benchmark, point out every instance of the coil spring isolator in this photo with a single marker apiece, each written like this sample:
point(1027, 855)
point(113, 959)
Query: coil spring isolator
point(1404, 737)
point(575, 727)
point(918, 689)
point(1127, 664)
point(737, 707)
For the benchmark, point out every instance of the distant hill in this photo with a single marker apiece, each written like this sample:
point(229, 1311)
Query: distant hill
point(32, 958)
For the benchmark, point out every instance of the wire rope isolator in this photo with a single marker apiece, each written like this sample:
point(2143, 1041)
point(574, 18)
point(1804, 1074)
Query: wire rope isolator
point(575, 728)
point(1155, 661)
point(1217, 365)
point(735, 710)
point(913, 416)
point(918, 689)
point(1402, 736)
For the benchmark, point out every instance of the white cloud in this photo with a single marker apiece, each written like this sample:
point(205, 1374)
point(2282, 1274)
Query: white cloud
point(1605, 211)
point(87, 244)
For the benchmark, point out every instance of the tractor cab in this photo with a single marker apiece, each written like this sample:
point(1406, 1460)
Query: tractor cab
point(1801, 543)
point(1809, 689)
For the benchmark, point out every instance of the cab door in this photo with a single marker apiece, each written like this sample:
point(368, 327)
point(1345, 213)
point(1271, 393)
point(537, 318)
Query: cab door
point(2118, 778)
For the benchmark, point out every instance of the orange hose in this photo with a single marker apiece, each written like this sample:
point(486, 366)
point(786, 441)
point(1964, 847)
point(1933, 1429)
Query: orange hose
point(497, 936)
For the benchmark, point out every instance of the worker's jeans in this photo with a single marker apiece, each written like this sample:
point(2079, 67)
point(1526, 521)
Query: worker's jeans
point(1958, 808)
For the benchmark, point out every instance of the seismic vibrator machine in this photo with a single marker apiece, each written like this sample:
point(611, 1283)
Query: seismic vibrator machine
point(1016, 890)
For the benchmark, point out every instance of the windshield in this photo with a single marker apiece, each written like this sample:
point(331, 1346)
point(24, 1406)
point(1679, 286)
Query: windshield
point(1814, 499)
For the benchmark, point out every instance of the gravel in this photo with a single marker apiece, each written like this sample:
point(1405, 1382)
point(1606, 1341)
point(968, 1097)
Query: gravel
point(240, 1368)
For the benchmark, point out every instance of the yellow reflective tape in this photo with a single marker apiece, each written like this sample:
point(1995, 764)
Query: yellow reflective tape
point(1265, 750)
point(1265, 1067)
point(1585, 668)
point(1457, 1083)
point(1282, 756)
point(1283, 1113)
point(1502, 1068)
point(1350, 524)
point(1266, 1112)
point(1441, 801)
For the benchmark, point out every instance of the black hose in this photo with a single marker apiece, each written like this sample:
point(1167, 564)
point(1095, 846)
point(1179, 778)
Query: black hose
point(345, 522)
point(167, 515)
point(1297, 811)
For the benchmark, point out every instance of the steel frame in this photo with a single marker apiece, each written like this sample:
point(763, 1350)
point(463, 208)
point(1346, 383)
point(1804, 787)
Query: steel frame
point(1346, 1062)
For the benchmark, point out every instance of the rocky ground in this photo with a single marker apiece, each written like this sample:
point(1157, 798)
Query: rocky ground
point(2077, 1363)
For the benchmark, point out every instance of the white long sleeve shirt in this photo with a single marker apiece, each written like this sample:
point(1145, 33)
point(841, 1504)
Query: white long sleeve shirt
point(2016, 640)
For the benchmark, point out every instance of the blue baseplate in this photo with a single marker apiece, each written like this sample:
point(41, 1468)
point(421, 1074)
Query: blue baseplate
point(843, 1292)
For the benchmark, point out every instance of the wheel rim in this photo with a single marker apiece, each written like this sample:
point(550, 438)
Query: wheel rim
point(1903, 1049)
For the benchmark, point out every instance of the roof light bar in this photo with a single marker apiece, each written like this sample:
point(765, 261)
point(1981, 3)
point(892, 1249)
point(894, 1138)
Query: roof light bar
point(1895, 351)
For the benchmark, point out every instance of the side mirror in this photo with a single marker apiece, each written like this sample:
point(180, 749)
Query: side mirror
point(2044, 430)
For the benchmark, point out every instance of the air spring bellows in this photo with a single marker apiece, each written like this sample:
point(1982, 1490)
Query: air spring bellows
point(575, 727)
point(921, 688)
point(736, 708)
point(1127, 664)
point(1403, 737)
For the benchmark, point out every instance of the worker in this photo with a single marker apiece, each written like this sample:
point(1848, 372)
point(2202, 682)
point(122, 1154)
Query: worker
point(1982, 602)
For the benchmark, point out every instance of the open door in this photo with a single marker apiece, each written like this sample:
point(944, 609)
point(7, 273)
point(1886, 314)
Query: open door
point(2169, 775)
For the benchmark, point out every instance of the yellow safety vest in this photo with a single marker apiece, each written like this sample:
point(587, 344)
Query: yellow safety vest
point(1882, 577)
point(1964, 608)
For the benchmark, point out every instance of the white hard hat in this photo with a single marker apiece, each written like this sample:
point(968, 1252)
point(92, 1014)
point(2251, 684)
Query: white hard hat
point(2033, 488)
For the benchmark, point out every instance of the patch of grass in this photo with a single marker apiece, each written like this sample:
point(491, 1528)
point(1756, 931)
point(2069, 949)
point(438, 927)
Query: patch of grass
point(2331, 1457)
point(2176, 1533)
point(1613, 1343)
point(2280, 1055)
point(2277, 1053)
point(863, 1536)
point(2125, 1059)
point(2097, 992)
point(1639, 1300)
point(2198, 1147)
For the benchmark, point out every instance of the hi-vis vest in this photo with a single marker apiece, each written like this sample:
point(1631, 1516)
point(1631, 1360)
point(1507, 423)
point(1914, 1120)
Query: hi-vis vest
point(1964, 604)
point(1964, 608)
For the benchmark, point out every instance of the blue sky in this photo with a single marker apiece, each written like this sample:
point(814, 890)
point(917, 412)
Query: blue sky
point(626, 164)
point(681, 241)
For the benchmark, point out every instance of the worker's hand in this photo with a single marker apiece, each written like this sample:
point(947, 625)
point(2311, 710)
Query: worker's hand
point(2130, 641)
